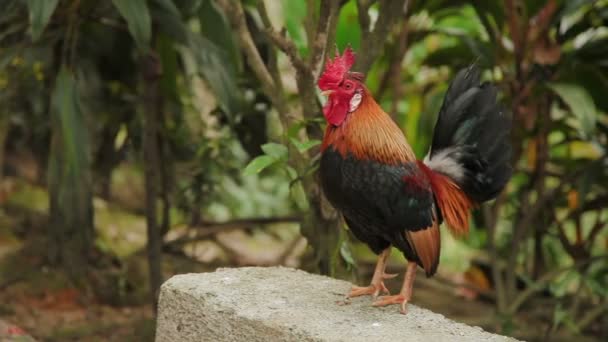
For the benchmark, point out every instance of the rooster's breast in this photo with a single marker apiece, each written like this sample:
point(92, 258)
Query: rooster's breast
point(366, 187)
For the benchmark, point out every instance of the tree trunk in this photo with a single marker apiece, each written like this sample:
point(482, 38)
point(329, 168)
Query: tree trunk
point(4, 124)
point(322, 229)
point(151, 71)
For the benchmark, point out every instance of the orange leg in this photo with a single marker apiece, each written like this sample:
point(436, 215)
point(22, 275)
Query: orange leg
point(377, 284)
point(406, 290)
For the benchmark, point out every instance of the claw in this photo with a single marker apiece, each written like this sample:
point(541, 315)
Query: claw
point(396, 299)
point(373, 290)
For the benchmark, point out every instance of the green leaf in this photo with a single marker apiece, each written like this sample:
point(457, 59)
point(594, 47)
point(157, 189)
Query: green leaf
point(69, 173)
point(295, 13)
point(299, 196)
point(137, 15)
point(69, 122)
point(457, 56)
point(275, 150)
point(292, 173)
point(306, 145)
point(348, 31)
point(169, 6)
point(466, 50)
point(215, 67)
point(491, 18)
point(259, 164)
point(581, 104)
point(589, 76)
point(171, 25)
point(347, 254)
point(295, 128)
point(40, 14)
point(215, 27)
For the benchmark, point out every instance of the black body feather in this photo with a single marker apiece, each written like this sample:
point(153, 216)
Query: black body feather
point(376, 201)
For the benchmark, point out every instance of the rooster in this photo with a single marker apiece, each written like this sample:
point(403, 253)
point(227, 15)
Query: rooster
point(387, 197)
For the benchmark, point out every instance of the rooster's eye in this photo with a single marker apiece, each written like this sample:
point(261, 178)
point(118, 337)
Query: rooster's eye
point(348, 85)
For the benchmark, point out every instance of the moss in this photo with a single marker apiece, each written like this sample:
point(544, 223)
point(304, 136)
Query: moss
point(29, 196)
point(119, 232)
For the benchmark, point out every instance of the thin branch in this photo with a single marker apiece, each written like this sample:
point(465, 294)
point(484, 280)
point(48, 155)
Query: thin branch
point(546, 278)
point(273, 65)
point(392, 76)
point(207, 228)
point(247, 222)
point(289, 48)
point(363, 12)
point(304, 76)
point(395, 68)
point(540, 23)
point(597, 228)
point(526, 219)
point(289, 249)
point(592, 315)
point(517, 28)
point(497, 274)
point(372, 41)
point(236, 17)
point(11, 281)
point(311, 18)
point(328, 14)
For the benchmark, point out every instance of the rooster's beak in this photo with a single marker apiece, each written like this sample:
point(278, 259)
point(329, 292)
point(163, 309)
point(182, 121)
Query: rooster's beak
point(326, 92)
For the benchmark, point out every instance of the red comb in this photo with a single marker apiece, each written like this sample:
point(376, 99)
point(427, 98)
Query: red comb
point(336, 69)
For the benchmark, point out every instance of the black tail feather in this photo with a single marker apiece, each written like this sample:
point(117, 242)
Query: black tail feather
point(471, 139)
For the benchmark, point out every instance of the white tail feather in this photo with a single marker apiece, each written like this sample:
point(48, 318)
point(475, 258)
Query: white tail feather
point(446, 162)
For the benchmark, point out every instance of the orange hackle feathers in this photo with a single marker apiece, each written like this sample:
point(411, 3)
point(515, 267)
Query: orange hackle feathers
point(369, 134)
point(455, 205)
point(427, 244)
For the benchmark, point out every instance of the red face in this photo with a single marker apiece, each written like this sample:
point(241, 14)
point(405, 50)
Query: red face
point(343, 87)
point(339, 101)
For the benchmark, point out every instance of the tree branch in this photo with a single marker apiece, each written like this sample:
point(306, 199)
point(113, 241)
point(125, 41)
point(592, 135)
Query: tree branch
point(372, 41)
point(328, 15)
point(236, 17)
point(207, 229)
point(592, 315)
point(273, 66)
point(363, 13)
point(546, 278)
point(517, 27)
point(289, 48)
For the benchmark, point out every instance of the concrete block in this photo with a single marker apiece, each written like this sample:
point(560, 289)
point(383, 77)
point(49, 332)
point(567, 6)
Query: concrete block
point(283, 304)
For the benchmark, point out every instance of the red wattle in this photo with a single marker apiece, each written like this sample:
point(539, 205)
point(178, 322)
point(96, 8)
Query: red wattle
point(335, 112)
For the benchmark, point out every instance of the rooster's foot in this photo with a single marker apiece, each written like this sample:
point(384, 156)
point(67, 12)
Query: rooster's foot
point(373, 290)
point(396, 299)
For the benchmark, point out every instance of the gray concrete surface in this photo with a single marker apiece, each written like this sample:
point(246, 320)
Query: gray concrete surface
point(284, 304)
